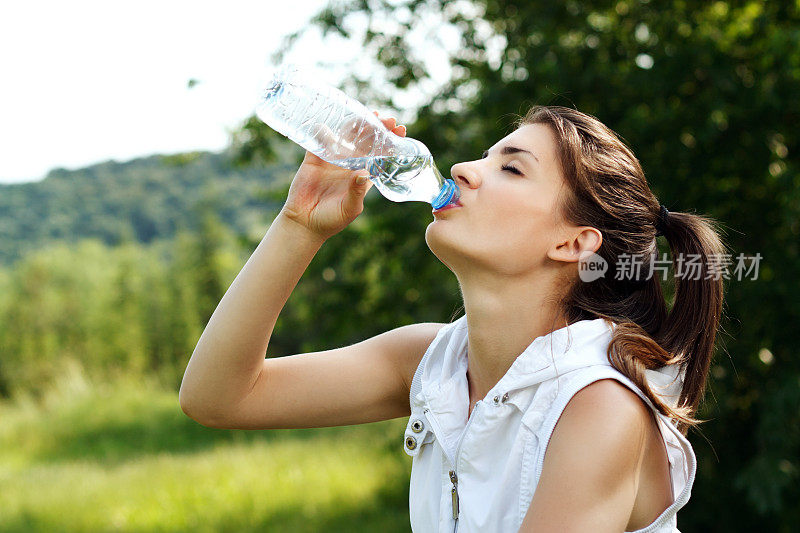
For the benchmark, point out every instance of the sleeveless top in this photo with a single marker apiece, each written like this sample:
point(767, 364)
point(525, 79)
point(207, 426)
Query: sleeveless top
point(479, 473)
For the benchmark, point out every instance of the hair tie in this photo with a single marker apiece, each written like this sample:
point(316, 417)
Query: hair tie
point(661, 222)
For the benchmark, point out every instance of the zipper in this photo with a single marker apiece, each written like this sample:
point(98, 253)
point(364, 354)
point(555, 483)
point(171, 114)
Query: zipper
point(454, 473)
point(453, 476)
point(454, 493)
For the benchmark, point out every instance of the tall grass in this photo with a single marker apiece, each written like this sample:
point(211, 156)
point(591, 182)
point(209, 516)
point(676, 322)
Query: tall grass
point(122, 456)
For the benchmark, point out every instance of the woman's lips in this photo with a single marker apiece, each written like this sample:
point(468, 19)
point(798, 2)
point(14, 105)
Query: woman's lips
point(448, 207)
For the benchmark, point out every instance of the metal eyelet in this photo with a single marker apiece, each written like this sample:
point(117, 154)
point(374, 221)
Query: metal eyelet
point(496, 400)
point(411, 442)
point(417, 426)
point(505, 397)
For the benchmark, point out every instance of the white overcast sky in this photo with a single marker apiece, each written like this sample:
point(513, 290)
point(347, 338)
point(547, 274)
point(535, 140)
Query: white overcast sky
point(87, 81)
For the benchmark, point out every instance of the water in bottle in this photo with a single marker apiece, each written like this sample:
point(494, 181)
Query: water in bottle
point(342, 131)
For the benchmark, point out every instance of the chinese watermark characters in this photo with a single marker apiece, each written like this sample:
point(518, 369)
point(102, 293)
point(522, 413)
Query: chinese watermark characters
point(636, 267)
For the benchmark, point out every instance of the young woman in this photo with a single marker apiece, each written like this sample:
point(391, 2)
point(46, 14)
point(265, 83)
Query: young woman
point(559, 402)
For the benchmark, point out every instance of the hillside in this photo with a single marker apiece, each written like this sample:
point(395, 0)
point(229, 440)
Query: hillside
point(141, 200)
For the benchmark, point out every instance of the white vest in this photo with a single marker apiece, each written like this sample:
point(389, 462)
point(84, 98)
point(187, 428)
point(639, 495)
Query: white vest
point(479, 474)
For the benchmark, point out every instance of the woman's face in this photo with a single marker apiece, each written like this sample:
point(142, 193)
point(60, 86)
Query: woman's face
point(509, 215)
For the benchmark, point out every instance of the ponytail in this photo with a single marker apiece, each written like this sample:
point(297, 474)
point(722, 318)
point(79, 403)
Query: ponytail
point(685, 335)
point(690, 328)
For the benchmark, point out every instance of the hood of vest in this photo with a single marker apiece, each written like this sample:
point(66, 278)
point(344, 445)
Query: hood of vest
point(443, 374)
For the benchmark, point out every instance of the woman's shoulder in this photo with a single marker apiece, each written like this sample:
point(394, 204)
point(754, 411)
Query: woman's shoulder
point(616, 426)
point(597, 402)
point(608, 406)
point(413, 341)
point(598, 396)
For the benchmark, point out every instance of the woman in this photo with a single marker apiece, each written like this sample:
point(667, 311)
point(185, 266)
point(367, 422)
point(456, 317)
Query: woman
point(559, 402)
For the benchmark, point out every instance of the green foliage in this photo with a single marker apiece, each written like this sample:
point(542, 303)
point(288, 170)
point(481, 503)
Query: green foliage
point(131, 309)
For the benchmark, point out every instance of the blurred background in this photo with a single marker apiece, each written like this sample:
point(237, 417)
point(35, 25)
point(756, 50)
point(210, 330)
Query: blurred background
point(136, 183)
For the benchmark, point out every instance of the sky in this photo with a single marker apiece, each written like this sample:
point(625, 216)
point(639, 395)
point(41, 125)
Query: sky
point(88, 81)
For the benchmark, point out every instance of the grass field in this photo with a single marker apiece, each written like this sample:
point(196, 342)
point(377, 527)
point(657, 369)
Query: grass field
point(124, 457)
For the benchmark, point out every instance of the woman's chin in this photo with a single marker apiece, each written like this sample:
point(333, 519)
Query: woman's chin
point(443, 246)
point(434, 236)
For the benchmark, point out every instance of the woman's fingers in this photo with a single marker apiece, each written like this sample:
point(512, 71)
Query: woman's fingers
point(390, 122)
point(391, 125)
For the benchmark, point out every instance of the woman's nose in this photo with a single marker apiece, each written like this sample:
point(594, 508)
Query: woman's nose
point(464, 174)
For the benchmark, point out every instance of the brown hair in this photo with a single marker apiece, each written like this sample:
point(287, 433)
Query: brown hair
point(608, 191)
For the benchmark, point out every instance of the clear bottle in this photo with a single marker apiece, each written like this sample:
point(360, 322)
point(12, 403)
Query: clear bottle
point(341, 130)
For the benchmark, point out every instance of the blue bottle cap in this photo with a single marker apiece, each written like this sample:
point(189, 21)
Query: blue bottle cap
point(446, 194)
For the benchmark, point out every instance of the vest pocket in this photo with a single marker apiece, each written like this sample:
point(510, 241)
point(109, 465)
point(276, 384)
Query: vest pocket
point(418, 433)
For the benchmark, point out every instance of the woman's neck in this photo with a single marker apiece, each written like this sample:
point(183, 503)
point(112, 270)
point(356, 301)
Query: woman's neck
point(503, 318)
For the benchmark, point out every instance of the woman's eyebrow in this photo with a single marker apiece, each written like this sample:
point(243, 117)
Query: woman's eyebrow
point(508, 150)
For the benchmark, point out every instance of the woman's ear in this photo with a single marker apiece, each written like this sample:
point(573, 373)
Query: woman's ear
point(582, 239)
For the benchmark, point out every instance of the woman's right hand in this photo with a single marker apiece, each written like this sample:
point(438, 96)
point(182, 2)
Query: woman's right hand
point(325, 198)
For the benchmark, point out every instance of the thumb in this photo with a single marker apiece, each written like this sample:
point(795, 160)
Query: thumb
point(358, 189)
point(362, 182)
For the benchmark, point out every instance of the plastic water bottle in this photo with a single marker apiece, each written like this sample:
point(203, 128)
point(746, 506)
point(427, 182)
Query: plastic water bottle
point(340, 130)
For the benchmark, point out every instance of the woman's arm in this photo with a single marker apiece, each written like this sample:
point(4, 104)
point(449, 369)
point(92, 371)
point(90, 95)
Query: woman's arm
point(228, 382)
point(229, 355)
point(591, 469)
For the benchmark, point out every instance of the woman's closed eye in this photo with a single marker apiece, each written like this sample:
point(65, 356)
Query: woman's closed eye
point(507, 168)
point(511, 169)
